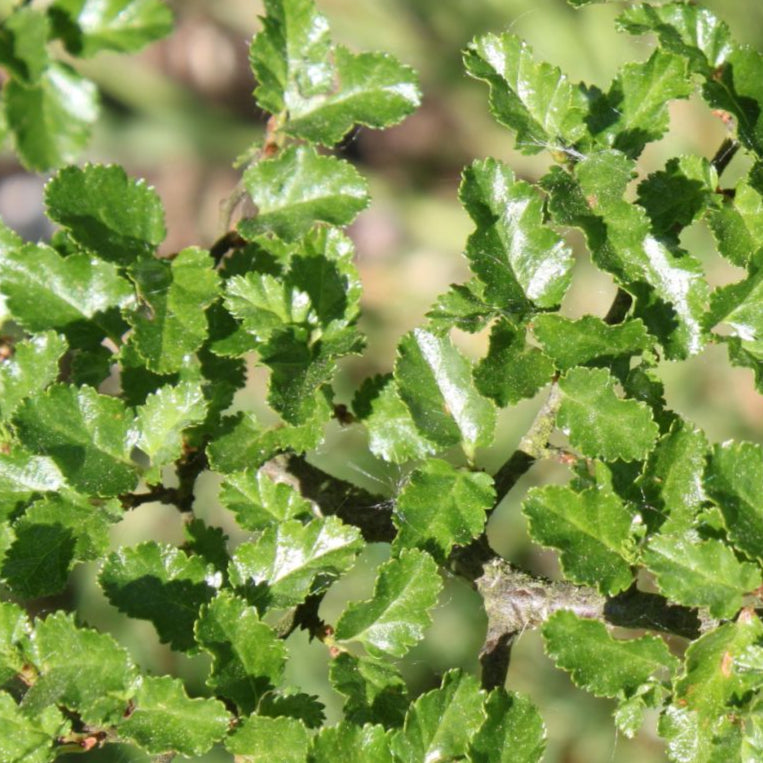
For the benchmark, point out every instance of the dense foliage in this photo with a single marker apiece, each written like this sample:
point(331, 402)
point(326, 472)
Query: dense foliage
point(119, 368)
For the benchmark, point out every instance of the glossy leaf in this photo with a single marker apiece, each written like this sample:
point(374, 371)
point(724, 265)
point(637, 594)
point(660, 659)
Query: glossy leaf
point(601, 424)
point(435, 382)
point(89, 26)
point(701, 573)
point(351, 743)
point(259, 740)
point(51, 119)
point(441, 506)
point(535, 100)
point(591, 529)
point(395, 618)
point(441, 723)
point(300, 187)
point(161, 584)
point(169, 320)
point(599, 663)
point(22, 474)
point(292, 560)
point(512, 733)
point(26, 736)
point(520, 260)
point(103, 210)
point(23, 44)
point(164, 719)
point(86, 434)
point(247, 657)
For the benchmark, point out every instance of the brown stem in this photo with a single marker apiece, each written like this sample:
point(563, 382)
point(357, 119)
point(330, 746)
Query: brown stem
point(725, 153)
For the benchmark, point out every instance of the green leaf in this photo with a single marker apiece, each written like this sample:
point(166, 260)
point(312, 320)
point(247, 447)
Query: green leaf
point(701, 573)
point(105, 211)
point(300, 187)
point(592, 531)
point(600, 664)
point(441, 506)
point(599, 423)
point(22, 474)
point(161, 420)
point(512, 370)
point(734, 480)
point(635, 110)
point(89, 26)
point(164, 719)
point(23, 44)
point(26, 737)
point(247, 657)
point(374, 689)
point(209, 543)
point(351, 743)
point(80, 669)
point(169, 321)
point(33, 366)
point(261, 740)
point(688, 30)
point(86, 434)
point(396, 616)
point(161, 584)
point(435, 382)
point(441, 723)
point(513, 732)
point(293, 704)
point(462, 307)
point(520, 259)
point(293, 560)
point(259, 501)
point(392, 432)
point(45, 290)
point(535, 100)
point(14, 632)
point(51, 119)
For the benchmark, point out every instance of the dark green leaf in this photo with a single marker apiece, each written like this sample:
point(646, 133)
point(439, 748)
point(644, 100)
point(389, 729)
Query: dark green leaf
point(293, 560)
point(441, 506)
point(86, 434)
point(14, 632)
point(577, 342)
point(29, 737)
point(161, 584)
point(592, 531)
point(395, 618)
point(164, 719)
point(51, 120)
point(103, 210)
point(262, 740)
point(604, 666)
point(351, 744)
point(300, 187)
point(209, 543)
point(519, 258)
point(293, 704)
point(23, 44)
point(89, 26)
point(513, 732)
point(247, 657)
point(599, 423)
point(464, 307)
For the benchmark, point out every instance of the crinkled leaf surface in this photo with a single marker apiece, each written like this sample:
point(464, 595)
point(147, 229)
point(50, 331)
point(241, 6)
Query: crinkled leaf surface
point(591, 530)
point(435, 382)
point(534, 99)
point(293, 560)
point(395, 618)
point(520, 259)
point(164, 719)
point(260, 740)
point(604, 666)
point(14, 630)
point(441, 506)
point(51, 120)
point(86, 434)
point(29, 737)
point(300, 187)
point(22, 474)
point(89, 26)
point(45, 290)
point(441, 723)
point(462, 306)
point(103, 210)
point(23, 44)
point(703, 573)
point(601, 424)
point(291, 703)
point(160, 583)
point(247, 657)
point(169, 320)
point(351, 743)
point(512, 733)
point(79, 669)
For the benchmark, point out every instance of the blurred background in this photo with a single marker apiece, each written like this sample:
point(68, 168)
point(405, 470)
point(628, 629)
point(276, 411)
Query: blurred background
point(180, 113)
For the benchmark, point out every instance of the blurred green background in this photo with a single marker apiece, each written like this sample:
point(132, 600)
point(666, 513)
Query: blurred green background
point(179, 113)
